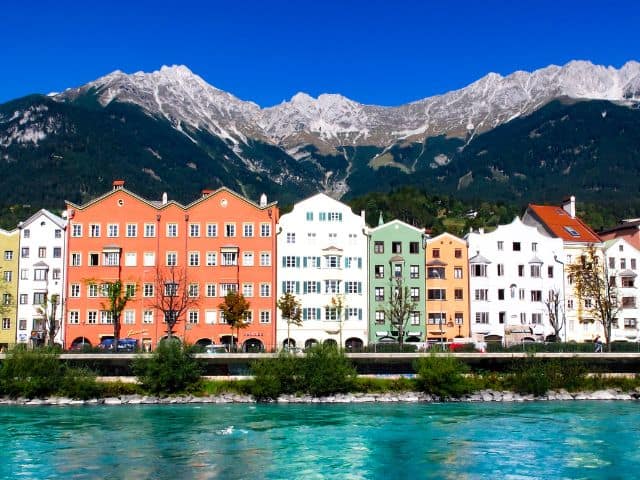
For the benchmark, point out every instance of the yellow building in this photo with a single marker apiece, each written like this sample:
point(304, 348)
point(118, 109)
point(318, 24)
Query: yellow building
point(9, 245)
point(447, 288)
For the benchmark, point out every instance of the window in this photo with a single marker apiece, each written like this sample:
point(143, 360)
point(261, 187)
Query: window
point(535, 271)
point(111, 258)
point(57, 252)
point(92, 317)
point(379, 294)
point(501, 294)
point(550, 271)
point(229, 258)
point(38, 298)
point(94, 230)
point(352, 287)
point(414, 271)
point(438, 318)
point(379, 271)
point(290, 286)
point(247, 259)
point(194, 259)
point(194, 229)
point(435, 272)
point(396, 247)
point(311, 287)
point(76, 230)
point(536, 295)
point(74, 317)
point(588, 303)
point(229, 229)
point(378, 247)
point(172, 229)
point(331, 313)
point(516, 246)
point(55, 275)
point(149, 230)
point(435, 253)
point(193, 316)
point(8, 254)
point(627, 282)
point(457, 272)
point(170, 289)
point(500, 245)
point(523, 318)
point(459, 318)
point(129, 317)
point(92, 290)
point(194, 290)
point(247, 229)
point(572, 231)
point(24, 299)
point(24, 252)
point(147, 317)
point(106, 317)
point(414, 247)
point(291, 237)
point(265, 259)
point(334, 216)
point(482, 317)
point(149, 259)
point(131, 230)
point(521, 270)
point(265, 289)
point(534, 247)
point(130, 259)
point(94, 259)
point(247, 290)
point(521, 294)
point(112, 230)
point(458, 294)
point(309, 216)
point(612, 262)
point(536, 318)
point(397, 270)
point(415, 294)
point(27, 233)
point(623, 263)
point(211, 289)
point(75, 260)
point(481, 294)
point(74, 290)
point(148, 290)
point(500, 269)
point(570, 304)
point(212, 229)
point(7, 275)
point(436, 294)
point(24, 274)
point(212, 259)
point(265, 316)
point(6, 322)
point(332, 286)
point(627, 302)
point(380, 314)
point(332, 261)
point(630, 323)
point(478, 270)
point(172, 259)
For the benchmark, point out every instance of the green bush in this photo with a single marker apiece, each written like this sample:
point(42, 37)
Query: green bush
point(383, 385)
point(537, 376)
point(326, 370)
point(117, 389)
point(276, 376)
point(170, 369)
point(443, 376)
point(80, 383)
point(31, 373)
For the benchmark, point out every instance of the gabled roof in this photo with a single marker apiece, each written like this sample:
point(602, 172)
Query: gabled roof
point(54, 218)
point(560, 224)
point(625, 225)
point(396, 222)
point(446, 234)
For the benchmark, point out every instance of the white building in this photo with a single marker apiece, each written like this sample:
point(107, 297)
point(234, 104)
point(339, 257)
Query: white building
point(577, 237)
point(41, 265)
point(623, 260)
point(322, 257)
point(512, 271)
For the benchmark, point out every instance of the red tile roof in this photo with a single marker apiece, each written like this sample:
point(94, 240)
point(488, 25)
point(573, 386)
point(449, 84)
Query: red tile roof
point(560, 224)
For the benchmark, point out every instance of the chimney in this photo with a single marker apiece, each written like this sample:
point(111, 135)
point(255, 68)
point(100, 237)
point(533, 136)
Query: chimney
point(263, 200)
point(164, 198)
point(118, 184)
point(569, 206)
point(206, 192)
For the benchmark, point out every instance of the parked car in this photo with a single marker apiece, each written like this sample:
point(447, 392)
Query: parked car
point(124, 344)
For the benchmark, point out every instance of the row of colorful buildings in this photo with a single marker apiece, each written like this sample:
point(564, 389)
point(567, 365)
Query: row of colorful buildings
point(488, 286)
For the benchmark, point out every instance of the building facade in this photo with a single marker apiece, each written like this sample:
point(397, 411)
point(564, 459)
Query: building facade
point(622, 261)
point(9, 245)
point(447, 286)
point(322, 260)
point(513, 271)
point(41, 283)
point(396, 264)
point(577, 237)
point(162, 251)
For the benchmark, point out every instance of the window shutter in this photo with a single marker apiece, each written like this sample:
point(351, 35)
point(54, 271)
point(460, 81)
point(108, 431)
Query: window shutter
point(297, 262)
point(359, 314)
point(317, 314)
point(360, 287)
point(318, 287)
point(297, 287)
point(284, 261)
point(304, 287)
point(317, 262)
point(304, 313)
point(346, 262)
point(284, 286)
point(304, 262)
point(360, 262)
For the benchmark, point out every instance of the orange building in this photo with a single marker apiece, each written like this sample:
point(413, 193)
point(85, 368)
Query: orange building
point(447, 288)
point(160, 249)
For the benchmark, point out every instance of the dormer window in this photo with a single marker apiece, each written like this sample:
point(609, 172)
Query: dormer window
point(571, 231)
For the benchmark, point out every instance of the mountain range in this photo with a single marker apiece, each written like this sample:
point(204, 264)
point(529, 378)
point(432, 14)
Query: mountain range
point(526, 136)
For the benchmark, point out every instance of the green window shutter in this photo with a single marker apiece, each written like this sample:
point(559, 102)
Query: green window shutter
point(297, 262)
point(304, 287)
point(360, 287)
point(304, 262)
point(360, 262)
point(359, 314)
point(297, 287)
point(284, 285)
point(304, 313)
point(284, 261)
point(318, 287)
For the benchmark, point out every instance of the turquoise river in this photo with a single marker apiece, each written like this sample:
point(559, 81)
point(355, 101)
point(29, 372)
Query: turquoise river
point(380, 441)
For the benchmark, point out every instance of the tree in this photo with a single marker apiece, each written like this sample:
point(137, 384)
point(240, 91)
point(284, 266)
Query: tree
point(117, 298)
point(339, 304)
point(556, 316)
point(173, 296)
point(592, 283)
point(290, 308)
point(399, 307)
point(49, 311)
point(234, 309)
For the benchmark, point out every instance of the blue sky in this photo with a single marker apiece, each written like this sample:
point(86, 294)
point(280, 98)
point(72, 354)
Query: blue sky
point(380, 52)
